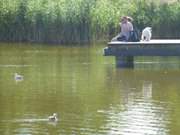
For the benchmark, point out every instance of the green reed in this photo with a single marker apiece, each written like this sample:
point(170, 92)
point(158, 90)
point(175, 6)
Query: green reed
point(82, 21)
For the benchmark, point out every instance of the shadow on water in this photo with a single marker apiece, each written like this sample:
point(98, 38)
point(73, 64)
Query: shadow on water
point(157, 63)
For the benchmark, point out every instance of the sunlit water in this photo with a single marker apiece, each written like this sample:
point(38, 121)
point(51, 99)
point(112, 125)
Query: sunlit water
point(90, 95)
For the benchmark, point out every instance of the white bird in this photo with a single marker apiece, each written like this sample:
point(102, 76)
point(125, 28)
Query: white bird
point(18, 77)
point(53, 118)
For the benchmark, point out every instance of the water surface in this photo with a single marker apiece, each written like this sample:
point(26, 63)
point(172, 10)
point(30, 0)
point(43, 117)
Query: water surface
point(87, 92)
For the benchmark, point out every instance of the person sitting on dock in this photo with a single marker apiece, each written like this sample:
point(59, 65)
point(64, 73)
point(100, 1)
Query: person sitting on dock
point(126, 28)
point(134, 35)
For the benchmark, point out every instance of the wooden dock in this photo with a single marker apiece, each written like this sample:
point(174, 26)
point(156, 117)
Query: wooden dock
point(124, 52)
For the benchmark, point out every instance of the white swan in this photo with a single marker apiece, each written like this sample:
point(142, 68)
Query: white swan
point(53, 118)
point(18, 77)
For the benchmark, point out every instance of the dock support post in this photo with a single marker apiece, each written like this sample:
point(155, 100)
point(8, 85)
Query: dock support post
point(124, 61)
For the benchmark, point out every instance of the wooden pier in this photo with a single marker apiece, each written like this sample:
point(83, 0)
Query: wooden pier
point(125, 52)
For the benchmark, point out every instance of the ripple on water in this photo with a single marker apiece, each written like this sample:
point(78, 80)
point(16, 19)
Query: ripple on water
point(17, 66)
point(145, 117)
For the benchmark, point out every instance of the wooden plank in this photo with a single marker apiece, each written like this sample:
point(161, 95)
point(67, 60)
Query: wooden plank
point(151, 42)
point(147, 52)
point(125, 51)
point(142, 50)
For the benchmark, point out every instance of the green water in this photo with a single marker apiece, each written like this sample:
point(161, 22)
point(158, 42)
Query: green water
point(90, 95)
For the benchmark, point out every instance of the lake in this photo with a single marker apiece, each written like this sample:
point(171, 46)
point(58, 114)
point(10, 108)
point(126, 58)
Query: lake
point(90, 95)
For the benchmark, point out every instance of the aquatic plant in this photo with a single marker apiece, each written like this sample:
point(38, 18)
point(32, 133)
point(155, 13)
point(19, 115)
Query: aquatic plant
point(82, 21)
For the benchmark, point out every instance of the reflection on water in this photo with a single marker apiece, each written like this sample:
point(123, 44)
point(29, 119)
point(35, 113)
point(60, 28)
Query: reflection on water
point(157, 62)
point(147, 89)
point(138, 118)
point(89, 94)
point(138, 112)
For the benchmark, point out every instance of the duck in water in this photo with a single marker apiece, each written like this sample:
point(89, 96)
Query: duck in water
point(53, 118)
point(18, 77)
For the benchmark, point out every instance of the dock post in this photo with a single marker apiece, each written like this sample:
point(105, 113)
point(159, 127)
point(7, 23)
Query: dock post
point(124, 61)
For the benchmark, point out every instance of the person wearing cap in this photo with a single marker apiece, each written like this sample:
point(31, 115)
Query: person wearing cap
point(126, 28)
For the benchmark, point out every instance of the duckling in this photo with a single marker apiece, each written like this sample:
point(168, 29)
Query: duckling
point(53, 118)
point(18, 77)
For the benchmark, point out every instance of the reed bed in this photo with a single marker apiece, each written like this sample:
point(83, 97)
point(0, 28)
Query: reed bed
point(83, 21)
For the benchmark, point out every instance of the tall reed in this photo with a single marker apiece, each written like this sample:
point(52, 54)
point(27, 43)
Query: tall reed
point(82, 21)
